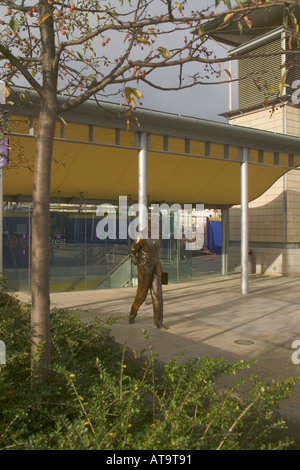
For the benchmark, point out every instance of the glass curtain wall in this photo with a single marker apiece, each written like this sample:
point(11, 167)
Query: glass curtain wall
point(16, 245)
point(79, 260)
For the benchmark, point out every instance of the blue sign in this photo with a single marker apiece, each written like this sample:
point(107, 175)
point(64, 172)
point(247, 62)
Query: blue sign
point(4, 152)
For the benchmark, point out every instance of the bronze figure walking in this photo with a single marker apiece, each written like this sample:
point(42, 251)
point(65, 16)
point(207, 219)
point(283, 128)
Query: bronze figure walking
point(144, 253)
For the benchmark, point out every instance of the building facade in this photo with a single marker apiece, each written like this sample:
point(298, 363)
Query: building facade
point(265, 103)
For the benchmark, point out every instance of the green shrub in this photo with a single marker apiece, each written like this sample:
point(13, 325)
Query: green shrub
point(100, 397)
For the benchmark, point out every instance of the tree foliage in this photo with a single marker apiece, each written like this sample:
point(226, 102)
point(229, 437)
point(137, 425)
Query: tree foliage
point(106, 47)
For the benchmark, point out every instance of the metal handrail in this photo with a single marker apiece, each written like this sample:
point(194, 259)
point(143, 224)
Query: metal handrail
point(113, 271)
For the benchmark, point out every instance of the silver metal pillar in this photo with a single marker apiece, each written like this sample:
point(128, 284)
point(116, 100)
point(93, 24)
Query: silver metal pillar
point(244, 223)
point(142, 181)
point(285, 209)
point(225, 240)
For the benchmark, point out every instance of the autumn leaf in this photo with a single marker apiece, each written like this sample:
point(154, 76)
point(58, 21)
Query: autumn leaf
point(7, 92)
point(228, 4)
point(130, 93)
point(43, 18)
point(200, 31)
point(14, 24)
point(228, 73)
point(137, 92)
point(130, 124)
point(178, 5)
point(228, 16)
point(248, 22)
point(63, 120)
point(143, 41)
point(272, 88)
point(164, 52)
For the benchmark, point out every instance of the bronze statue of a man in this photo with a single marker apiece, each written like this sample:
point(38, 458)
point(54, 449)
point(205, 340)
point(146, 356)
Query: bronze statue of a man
point(144, 253)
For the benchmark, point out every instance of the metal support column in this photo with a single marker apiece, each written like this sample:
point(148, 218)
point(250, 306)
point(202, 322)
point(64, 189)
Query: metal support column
point(142, 181)
point(225, 240)
point(244, 223)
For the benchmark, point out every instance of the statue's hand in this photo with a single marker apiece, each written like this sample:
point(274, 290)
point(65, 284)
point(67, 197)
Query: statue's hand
point(135, 260)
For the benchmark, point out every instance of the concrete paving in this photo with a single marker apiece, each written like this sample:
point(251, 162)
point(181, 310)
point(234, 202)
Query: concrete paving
point(211, 318)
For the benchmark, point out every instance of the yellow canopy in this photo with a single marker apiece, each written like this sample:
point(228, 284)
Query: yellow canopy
point(181, 171)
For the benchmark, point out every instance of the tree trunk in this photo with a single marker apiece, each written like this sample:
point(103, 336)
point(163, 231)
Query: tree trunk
point(40, 289)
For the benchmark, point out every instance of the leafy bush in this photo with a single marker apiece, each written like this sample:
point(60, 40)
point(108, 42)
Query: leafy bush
point(100, 397)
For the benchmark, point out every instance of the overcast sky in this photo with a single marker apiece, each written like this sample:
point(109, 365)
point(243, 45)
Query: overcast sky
point(202, 101)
